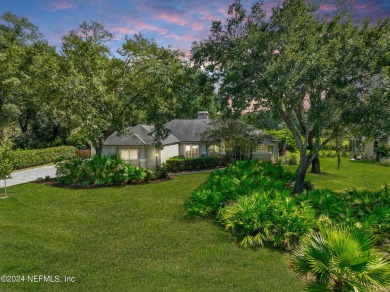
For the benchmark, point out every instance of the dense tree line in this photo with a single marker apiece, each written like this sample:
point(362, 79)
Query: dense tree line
point(81, 91)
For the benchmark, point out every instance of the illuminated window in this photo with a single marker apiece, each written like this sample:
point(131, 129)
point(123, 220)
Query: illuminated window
point(129, 155)
point(124, 154)
point(191, 151)
point(214, 150)
point(261, 148)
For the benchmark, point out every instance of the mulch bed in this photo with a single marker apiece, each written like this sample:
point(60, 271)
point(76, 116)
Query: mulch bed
point(54, 183)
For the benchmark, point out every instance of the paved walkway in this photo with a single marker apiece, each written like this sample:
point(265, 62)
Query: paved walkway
point(23, 176)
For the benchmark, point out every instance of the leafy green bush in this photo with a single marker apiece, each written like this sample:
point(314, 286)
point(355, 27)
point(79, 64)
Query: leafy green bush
point(284, 134)
point(28, 158)
point(98, 171)
point(382, 151)
point(240, 178)
point(289, 159)
point(180, 164)
point(268, 216)
point(369, 209)
point(384, 161)
point(252, 199)
point(160, 172)
point(341, 258)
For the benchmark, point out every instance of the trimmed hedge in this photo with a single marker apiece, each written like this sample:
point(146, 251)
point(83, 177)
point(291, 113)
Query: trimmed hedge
point(180, 164)
point(28, 158)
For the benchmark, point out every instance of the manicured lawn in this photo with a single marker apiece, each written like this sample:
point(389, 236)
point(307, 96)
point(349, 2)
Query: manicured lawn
point(133, 238)
point(352, 174)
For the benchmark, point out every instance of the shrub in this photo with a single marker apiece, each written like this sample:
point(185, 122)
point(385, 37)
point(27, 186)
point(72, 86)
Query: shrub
point(181, 164)
point(384, 161)
point(289, 159)
point(28, 158)
point(382, 151)
point(240, 178)
point(368, 209)
point(284, 134)
point(341, 258)
point(268, 216)
point(160, 172)
point(98, 171)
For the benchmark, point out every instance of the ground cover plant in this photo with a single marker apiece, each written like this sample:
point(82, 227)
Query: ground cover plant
point(240, 178)
point(253, 201)
point(130, 238)
point(99, 171)
point(341, 258)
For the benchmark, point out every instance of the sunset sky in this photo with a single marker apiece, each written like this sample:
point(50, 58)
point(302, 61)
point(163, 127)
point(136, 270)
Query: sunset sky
point(170, 22)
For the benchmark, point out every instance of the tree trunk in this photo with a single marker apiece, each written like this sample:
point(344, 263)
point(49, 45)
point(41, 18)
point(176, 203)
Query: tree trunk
point(300, 179)
point(99, 146)
point(315, 165)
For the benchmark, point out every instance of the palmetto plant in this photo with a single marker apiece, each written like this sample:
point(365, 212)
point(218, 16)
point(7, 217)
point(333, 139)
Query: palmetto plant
point(341, 258)
point(268, 216)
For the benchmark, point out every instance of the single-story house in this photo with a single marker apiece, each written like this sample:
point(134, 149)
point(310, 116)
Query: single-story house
point(369, 146)
point(137, 146)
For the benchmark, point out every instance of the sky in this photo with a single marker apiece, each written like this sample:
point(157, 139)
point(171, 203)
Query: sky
point(170, 22)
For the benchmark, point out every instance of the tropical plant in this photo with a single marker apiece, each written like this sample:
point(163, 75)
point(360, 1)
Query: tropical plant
point(341, 258)
point(268, 216)
point(98, 171)
point(241, 178)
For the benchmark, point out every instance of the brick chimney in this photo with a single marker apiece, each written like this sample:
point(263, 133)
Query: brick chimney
point(203, 115)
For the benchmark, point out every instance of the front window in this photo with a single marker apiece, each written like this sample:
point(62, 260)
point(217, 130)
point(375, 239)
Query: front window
point(191, 151)
point(129, 155)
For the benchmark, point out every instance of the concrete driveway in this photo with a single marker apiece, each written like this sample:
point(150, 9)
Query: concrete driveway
point(24, 176)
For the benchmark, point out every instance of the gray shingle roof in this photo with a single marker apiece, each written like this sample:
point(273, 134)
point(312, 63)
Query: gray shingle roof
point(181, 131)
point(188, 130)
point(137, 136)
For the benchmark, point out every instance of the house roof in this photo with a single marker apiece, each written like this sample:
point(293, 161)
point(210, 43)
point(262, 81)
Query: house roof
point(182, 130)
point(139, 135)
point(189, 130)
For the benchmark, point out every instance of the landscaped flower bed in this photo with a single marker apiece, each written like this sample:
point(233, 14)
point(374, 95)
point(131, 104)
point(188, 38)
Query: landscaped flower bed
point(103, 171)
point(252, 200)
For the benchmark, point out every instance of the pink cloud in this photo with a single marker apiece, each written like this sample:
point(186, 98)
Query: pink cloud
point(147, 26)
point(142, 26)
point(124, 30)
point(172, 18)
point(206, 15)
point(62, 5)
point(367, 7)
point(197, 26)
point(185, 38)
point(327, 7)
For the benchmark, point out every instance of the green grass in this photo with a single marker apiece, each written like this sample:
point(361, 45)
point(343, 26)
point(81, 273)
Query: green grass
point(133, 238)
point(351, 175)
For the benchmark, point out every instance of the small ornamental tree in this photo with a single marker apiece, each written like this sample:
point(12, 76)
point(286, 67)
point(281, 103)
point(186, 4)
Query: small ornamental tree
point(6, 162)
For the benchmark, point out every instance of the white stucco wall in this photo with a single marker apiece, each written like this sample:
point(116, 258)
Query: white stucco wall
point(150, 155)
point(168, 152)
